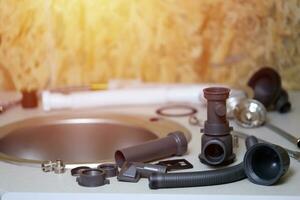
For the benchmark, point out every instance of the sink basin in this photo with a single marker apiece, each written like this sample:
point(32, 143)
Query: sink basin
point(78, 139)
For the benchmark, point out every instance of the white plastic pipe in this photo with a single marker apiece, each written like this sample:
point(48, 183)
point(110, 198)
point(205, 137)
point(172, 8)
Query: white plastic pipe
point(128, 96)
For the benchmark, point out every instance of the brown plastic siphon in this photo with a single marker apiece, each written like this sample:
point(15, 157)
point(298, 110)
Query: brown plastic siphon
point(216, 148)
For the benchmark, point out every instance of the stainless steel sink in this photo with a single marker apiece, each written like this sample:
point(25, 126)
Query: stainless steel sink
point(78, 139)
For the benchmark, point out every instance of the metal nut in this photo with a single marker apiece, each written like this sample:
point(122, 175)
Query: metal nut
point(57, 166)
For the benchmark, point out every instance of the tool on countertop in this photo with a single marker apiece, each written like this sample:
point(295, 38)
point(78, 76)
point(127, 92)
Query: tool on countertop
point(173, 144)
point(250, 113)
point(291, 153)
point(216, 148)
point(266, 85)
point(284, 134)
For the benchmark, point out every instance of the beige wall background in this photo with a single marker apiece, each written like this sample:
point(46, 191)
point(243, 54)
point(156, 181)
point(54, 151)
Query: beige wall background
point(49, 43)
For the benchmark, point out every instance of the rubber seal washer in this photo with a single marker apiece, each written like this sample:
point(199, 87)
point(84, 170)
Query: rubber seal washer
point(92, 178)
point(111, 169)
point(163, 111)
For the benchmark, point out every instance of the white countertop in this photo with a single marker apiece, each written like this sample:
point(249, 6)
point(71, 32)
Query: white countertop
point(22, 182)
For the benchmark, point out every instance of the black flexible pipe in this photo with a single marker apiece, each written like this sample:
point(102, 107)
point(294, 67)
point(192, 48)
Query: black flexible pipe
point(200, 178)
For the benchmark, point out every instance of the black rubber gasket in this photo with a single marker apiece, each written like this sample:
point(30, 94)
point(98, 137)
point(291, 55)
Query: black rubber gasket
point(78, 170)
point(92, 178)
point(163, 111)
point(111, 169)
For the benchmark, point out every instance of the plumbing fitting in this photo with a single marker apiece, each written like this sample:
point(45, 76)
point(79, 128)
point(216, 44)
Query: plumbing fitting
point(292, 154)
point(57, 166)
point(232, 102)
point(155, 94)
point(92, 178)
point(78, 170)
point(47, 166)
point(216, 148)
point(266, 85)
point(250, 113)
point(133, 171)
point(173, 144)
point(263, 164)
point(111, 169)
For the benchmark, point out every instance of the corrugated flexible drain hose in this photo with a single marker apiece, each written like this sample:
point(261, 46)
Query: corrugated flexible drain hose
point(200, 178)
